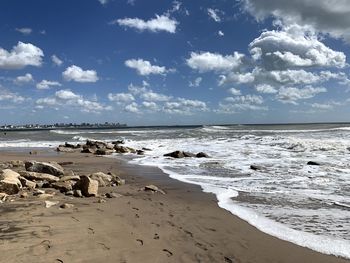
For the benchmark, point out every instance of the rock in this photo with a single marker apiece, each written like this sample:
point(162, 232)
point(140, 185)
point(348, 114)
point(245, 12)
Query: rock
point(116, 179)
point(88, 150)
point(146, 149)
point(153, 188)
point(24, 195)
point(45, 196)
point(66, 150)
point(65, 163)
point(43, 167)
point(38, 192)
point(112, 195)
point(110, 146)
point(256, 167)
point(48, 204)
point(179, 154)
point(9, 182)
point(97, 144)
point(118, 142)
point(69, 145)
point(102, 178)
point(3, 196)
point(104, 151)
point(312, 163)
point(66, 206)
point(17, 163)
point(70, 178)
point(132, 150)
point(77, 193)
point(101, 200)
point(27, 183)
point(120, 149)
point(88, 186)
point(63, 186)
point(39, 176)
point(70, 193)
point(140, 152)
point(202, 155)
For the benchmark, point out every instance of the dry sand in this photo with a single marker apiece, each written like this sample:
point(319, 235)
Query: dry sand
point(184, 225)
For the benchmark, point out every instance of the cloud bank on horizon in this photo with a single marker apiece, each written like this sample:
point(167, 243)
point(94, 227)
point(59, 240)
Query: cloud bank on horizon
point(258, 61)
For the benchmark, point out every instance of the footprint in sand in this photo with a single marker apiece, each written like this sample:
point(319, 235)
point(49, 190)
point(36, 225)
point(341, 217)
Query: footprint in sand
point(40, 249)
point(140, 241)
point(168, 253)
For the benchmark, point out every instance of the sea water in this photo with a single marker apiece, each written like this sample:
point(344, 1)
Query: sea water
point(305, 204)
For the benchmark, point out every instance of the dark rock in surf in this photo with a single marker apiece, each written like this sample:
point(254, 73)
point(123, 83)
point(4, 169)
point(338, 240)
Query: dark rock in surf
point(179, 154)
point(202, 155)
point(256, 167)
point(312, 163)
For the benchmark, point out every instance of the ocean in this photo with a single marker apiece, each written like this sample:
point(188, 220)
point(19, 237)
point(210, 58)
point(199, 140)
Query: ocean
point(308, 205)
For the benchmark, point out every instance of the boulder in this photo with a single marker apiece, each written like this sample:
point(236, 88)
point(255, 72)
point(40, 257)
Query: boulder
point(140, 152)
point(179, 154)
point(102, 178)
point(9, 182)
point(39, 176)
point(118, 142)
point(43, 167)
point(88, 186)
point(256, 167)
point(27, 183)
point(202, 155)
point(109, 146)
point(88, 150)
point(312, 163)
point(104, 151)
point(120, 149)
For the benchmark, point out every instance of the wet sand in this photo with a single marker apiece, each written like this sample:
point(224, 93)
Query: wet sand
point(184, 225)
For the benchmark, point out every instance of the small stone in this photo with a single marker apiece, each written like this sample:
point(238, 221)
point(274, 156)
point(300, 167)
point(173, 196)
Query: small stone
point(112, 195)
point(45, 196)
point(48, 204)
point(66, 206)
point(38, 192)
point(153, 188)
point(69, 193)
point(77, 193)
point(101, 200)
point(24, 195)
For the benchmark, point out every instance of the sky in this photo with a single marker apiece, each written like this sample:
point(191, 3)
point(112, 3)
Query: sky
point(174, 62)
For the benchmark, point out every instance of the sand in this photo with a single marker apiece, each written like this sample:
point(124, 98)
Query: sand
point(184, 225)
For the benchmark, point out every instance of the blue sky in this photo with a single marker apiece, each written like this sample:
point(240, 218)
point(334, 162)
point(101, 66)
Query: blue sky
point(174, 62)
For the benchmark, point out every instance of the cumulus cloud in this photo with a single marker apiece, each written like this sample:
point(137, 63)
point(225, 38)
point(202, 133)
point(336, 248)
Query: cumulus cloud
point(185, 106)
point(234, 91)
point(24, 30)
point(292, 94)
point(47, 84)
point(27, 78)
point(103, 2)
point(75, 73)
point(220, 33)
point(157, 24)
point(330, 17)
point(207, 61)
point(132, 107)
point(294, 46)
point(196, 82)
point(152, 106)
point(214, 14)
point(144, 67)
point(121, 97)
point(56, 60)
point(241, 103)
point(69, 99)
point(265, 88)
point(6, 95)
point(21, 55)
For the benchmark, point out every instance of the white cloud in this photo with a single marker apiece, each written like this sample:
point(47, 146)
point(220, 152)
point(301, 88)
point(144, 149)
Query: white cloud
point(133, 108)
point(21, 55)
point(103, 2)
point(56, 60)
point(24, 30)
point(66, 95)
point(152, 106)
point(196, 82)
point(121, 97)
point(220, 33)
point(234, 92)
point(206, 61)
point(265, 88)
point(325, 16)
point(322, 106)
point(144, 67)
point(27, 78)
point(294, 46)
point(213, 13)
point(6, 95)
point(292, 94)
point(47, 84)
point(185, 106)
point(75, 73)
point(160, 23)
point(236, 104)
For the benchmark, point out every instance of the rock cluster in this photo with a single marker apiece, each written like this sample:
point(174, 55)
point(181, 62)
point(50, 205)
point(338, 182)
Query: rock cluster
point(32, 177)
point(183, 154)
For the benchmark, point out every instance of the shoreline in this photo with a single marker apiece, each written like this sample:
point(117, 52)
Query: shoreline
point(188, 222)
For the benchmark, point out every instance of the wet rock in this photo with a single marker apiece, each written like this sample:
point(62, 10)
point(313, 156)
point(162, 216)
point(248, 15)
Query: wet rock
point(118, 142)
point(131, 150)
point(9, 182)
point(88, 186)
point(153, 189)
point(65, 163)
point(312, 163)
point(66, 206)
point(103, 151)
point(77, 193)
point(179, 154)
point(120, 149)
point(43, 167)
point(256, 167)
point(88, 150)
point(202, 155)
point(140, 152)
point(146, 149)
point(39, 176)
point(109, 146)
point(102, 178)
point(27, 183)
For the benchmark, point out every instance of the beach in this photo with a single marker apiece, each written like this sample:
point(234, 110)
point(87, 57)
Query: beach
point(182, 225)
